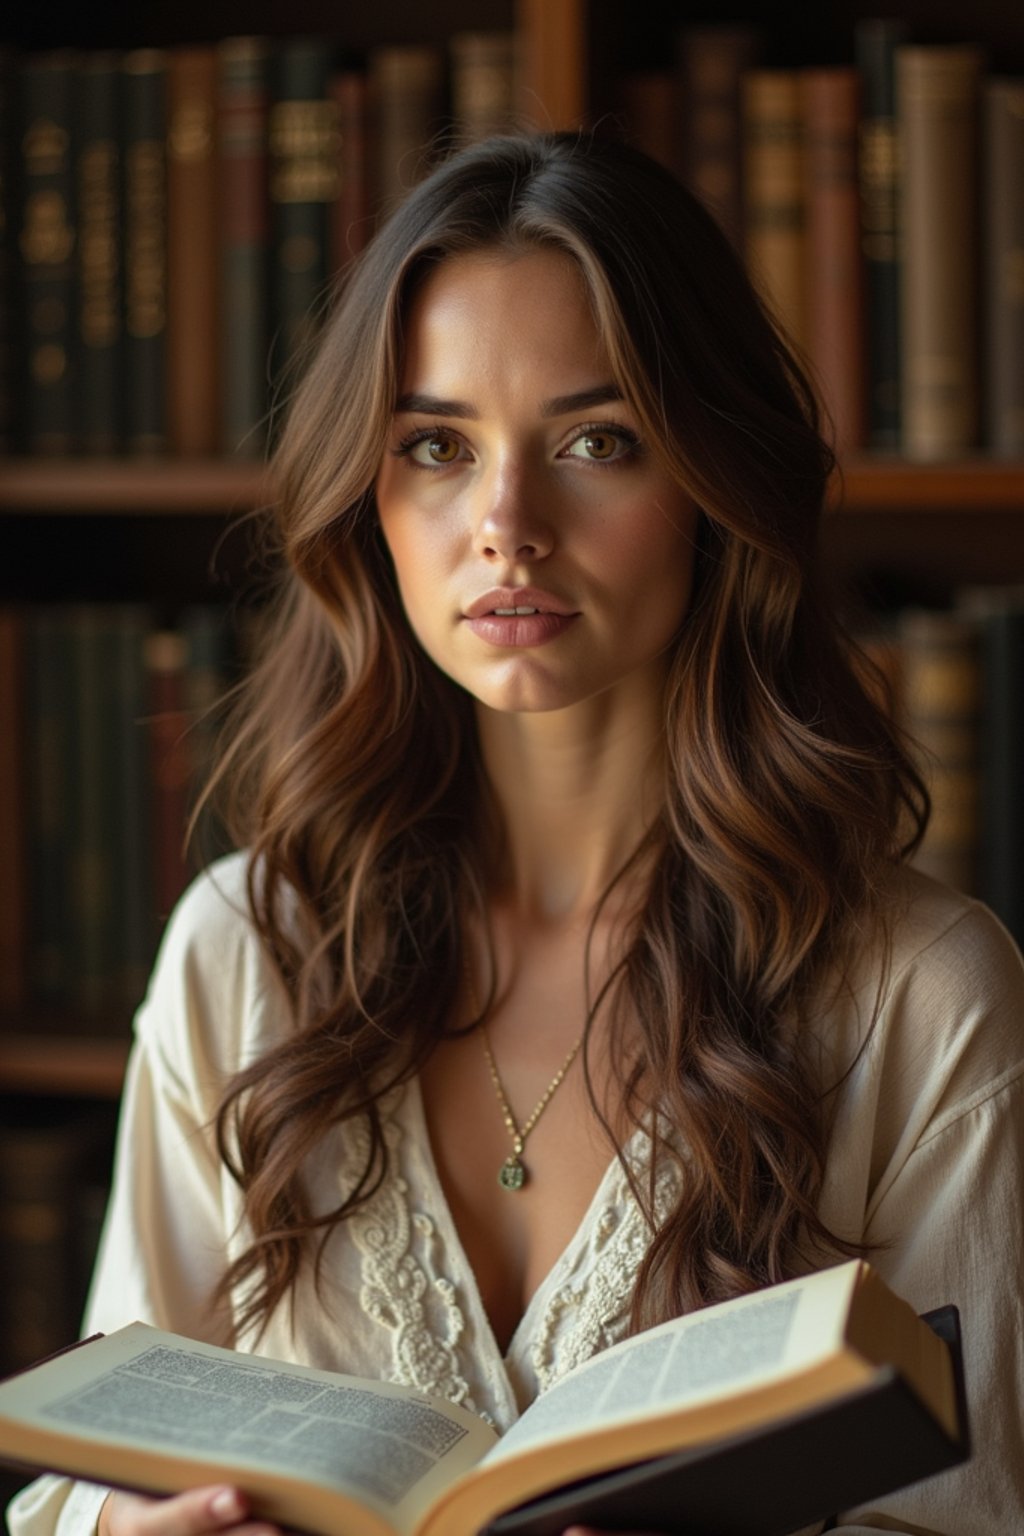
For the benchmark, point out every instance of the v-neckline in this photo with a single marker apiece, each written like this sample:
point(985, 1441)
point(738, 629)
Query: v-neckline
point(525, 1328)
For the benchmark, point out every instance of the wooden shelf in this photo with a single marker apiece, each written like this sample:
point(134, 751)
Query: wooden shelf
point(136, 487)
point(43, 1063)
point(883, 484)
point(156, 487)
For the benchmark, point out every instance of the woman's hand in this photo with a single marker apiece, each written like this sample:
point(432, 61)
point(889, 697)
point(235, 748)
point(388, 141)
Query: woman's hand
point(195, 1513)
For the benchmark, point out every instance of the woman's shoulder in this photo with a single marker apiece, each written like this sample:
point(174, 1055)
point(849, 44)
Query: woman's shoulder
point(214, 998)
point(949, 941)
point(951, 996)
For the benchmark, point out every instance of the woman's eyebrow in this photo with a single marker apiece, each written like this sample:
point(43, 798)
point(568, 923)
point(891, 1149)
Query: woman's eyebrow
point(560, 405)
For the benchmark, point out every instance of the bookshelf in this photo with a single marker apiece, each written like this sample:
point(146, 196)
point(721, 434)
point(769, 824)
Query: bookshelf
point(115, 528)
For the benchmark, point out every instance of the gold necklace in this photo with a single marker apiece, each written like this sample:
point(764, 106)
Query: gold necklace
point(513, 1173)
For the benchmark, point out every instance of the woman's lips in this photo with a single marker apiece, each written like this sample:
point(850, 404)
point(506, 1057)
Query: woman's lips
point(520, 629)
point(518, 616)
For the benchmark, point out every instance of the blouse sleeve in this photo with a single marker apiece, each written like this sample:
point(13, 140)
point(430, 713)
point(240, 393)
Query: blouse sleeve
point(946, 1209)
point(173, 1211)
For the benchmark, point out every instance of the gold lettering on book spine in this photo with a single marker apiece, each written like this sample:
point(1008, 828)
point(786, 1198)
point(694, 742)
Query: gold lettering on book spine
point(146, 261)
point(305, 145)
point(98, 244)
point(879, 181)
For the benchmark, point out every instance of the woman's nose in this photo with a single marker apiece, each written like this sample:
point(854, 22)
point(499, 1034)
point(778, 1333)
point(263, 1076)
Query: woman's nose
point(511, 523)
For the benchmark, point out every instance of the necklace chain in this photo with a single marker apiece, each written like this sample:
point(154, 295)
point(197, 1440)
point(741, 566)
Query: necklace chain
point(512, 1174)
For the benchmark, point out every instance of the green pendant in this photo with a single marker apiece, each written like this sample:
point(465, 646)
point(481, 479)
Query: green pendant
point(512, 1174)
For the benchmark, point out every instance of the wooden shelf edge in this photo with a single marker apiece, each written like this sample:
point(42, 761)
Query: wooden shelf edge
point(137, 487)
point(62, 1065)
point(140, 487)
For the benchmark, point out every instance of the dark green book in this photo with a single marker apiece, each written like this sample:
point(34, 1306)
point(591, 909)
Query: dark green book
point(876, 44)
point(47, 247)
point(998, 613)
point(145, 250)
point(243, 111)
point(303, 178)
point(98, 186)
point(49, 780)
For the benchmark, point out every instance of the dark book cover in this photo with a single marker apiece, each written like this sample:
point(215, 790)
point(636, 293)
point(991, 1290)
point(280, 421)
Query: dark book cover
point(710, 64)
point(47, 248)
point(135, 921)
point(303, 172)
point(193, 254)
point(13, 869)
point(350, 213)
point(876, 42)
point(938, 94)
point(776, 207)
point(1003, 285)
point(12, 345)
point(835, 269)
point(483, 80)
point(170, 768)
point(406, 113)
point(99, 404)
point(774, 1481)
point(145, 250)
point(243, 109)
point(48, 645)
point(647, 110)
point(998, 613)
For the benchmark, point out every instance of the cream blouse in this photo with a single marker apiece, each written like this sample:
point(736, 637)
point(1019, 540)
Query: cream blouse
point(926, 1160)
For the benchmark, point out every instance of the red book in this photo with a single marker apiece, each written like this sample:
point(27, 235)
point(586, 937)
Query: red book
point(350, 214)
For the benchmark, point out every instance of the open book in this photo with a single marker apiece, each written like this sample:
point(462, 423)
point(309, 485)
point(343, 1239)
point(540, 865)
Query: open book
point(810, 1396)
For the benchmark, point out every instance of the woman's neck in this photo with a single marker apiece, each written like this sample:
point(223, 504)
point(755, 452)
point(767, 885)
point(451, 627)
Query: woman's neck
point(576, 790)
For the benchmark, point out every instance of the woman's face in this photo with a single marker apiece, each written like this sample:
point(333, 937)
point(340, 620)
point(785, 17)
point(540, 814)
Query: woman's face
point(542, 553)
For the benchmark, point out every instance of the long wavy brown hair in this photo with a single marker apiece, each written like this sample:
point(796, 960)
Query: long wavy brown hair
point(356, 781)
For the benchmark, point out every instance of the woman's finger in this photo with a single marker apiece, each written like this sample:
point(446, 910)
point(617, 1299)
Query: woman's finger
point(195, 1513)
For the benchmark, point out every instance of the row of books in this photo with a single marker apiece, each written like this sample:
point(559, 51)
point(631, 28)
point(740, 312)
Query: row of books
point(109, 721)
point(176, 216)
point(880, 205)
point(54, 1176)
point(954, 676)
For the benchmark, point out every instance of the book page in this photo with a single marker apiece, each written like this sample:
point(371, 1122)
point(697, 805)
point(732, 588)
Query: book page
point(204, 1404)
point(723, 1349)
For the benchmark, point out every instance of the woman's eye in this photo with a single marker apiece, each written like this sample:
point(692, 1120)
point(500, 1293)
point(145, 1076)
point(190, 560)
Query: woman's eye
point(601, 446)
point(436, 449)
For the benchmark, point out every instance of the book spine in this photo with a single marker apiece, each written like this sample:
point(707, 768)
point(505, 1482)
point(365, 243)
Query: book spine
point(145, 258)
point(303, 170)
point(47, 243)
point(12, 348)
point(405, 111)
point(98, 177)
point(710, 65)
point(1004, 275)
point(95, 814)
point(940, 687)
point(835, 272)
point(193, 250)
point(169, 765)
point(13, 872)
point(131, 849)
point(554, 63)
point(999, 616)
point(49, 773)
point(350, 211)
point(483, 83)
point(937, 93)
point(208, 666)
point(876, 42)
point(647, 106)
point(243, 109)
point(774, 181)
point(50, 1154)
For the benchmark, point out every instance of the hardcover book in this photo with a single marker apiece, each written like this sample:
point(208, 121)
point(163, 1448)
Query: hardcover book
point(817, 1394)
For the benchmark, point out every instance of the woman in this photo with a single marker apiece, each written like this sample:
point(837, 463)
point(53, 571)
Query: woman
point(573, 976)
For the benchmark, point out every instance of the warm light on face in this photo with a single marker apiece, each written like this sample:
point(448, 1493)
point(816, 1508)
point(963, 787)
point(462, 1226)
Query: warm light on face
point(543, 553)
